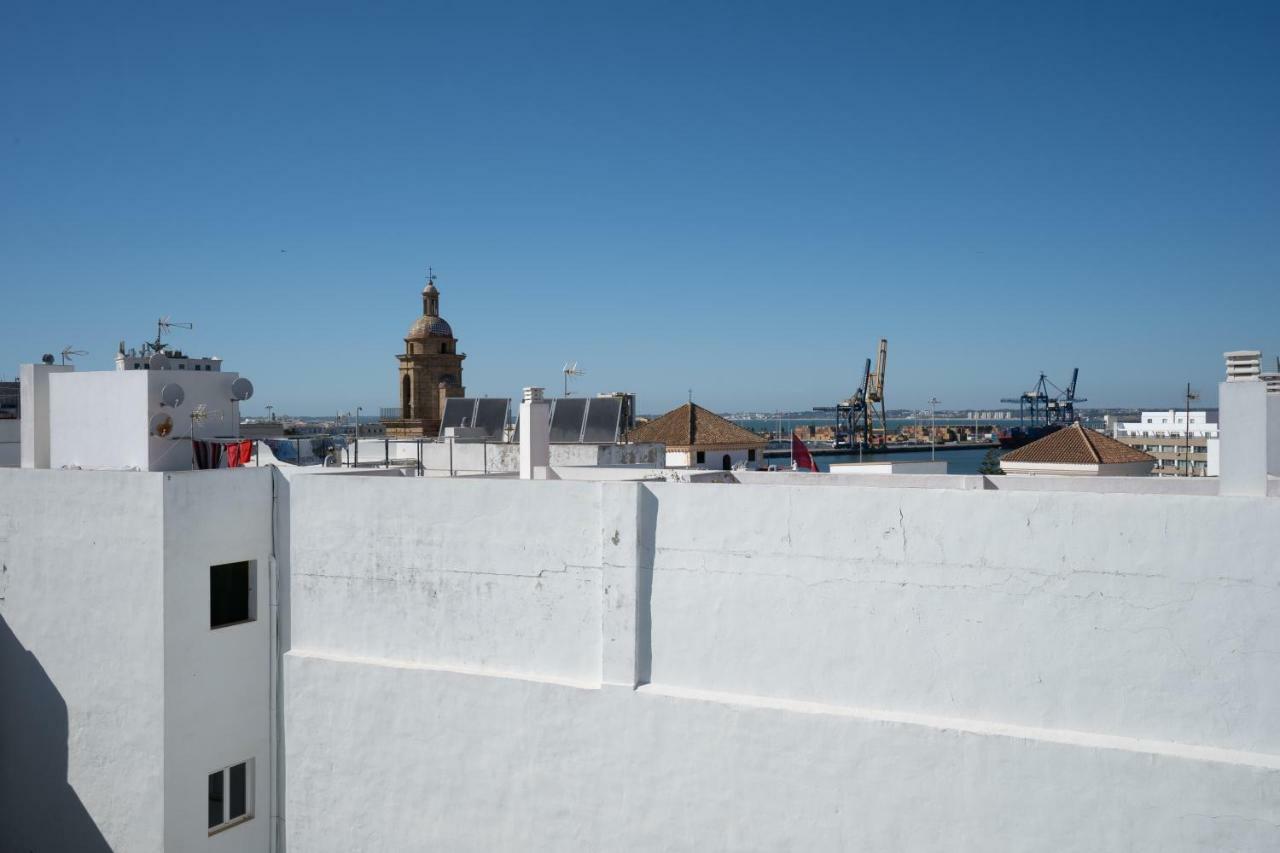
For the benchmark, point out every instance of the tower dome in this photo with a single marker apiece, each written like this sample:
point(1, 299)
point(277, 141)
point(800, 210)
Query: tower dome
point(430, 324)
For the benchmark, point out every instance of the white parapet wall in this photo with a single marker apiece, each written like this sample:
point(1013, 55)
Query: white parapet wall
point(785, 665)
point(117, 696)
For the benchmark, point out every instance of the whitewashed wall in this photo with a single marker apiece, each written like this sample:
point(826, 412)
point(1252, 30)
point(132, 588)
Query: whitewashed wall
point(100, 419)
point(116, 698)
point(81, 661)
point(820, 668)
point(217, 682)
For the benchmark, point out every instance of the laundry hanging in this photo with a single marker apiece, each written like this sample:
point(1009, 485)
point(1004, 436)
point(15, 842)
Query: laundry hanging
point(239, 453)
point(206, 454)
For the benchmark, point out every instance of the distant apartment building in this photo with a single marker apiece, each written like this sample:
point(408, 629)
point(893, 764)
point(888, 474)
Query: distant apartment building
point(1173, 440)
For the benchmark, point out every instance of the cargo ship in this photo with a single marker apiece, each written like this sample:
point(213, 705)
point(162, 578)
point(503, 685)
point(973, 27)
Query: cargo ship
point(1011, 439)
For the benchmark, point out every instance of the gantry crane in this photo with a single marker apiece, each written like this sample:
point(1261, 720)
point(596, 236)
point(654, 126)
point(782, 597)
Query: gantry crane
point(1044, 409)
point(856, 417)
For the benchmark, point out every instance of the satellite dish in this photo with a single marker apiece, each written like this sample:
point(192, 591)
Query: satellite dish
point(47, 358)
point(162, 424)
point(172, 395)
point(241, 389)
point(159, 361)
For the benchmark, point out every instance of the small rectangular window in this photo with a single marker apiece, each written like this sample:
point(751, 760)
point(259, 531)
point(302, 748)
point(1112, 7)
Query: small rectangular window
point(751, 455)
point(702, 456)
point(232, 597)
point(230, 796)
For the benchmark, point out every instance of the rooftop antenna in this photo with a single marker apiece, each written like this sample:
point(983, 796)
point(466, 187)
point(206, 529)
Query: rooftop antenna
point(68, 352)
point(571, 369)
point(163, 326)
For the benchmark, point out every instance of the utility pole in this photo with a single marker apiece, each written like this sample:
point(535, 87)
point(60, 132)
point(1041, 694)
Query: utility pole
point(933, 428)
point(357, 439)
point(1186, 425)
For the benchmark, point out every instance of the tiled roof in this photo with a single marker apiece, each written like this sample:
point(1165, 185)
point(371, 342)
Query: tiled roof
point(1075, 445)
point(693, 426)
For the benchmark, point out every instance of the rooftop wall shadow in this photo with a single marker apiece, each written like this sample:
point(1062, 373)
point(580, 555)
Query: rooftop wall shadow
point(39, 811)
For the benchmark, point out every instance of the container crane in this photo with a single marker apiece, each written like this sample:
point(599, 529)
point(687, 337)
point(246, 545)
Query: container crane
point(856, 417)
point(1045, 409)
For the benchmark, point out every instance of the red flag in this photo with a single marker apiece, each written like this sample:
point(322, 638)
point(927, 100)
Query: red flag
point(800, 455)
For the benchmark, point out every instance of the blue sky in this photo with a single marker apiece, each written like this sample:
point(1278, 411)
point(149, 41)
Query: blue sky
point(737, 198)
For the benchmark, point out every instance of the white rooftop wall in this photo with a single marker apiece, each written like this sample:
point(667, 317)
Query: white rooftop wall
point(820, 667)
point(81, 661)
point(100, 419)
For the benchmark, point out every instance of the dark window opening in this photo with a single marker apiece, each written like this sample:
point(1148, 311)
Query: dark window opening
point(702, 456)
point(726, 463)
point(215, 799)
point(230, 792)
point(231, 594)
point(751, 455)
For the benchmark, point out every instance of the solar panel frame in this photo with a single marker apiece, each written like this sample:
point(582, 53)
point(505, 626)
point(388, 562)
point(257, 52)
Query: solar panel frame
point(457, 410)
point(604, 414)
point(491, 416)
point(567, 417)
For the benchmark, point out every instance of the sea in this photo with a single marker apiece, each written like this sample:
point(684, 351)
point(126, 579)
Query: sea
point(959, 460)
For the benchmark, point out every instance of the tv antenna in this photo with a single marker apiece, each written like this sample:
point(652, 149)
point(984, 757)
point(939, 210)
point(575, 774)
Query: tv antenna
point(68, 352)
point(163, 326)
point(571, 369)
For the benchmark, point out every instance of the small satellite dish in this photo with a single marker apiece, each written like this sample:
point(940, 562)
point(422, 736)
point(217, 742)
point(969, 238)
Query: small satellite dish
point(47, 358)
point(159, 361)
point(172, 395)
point(161, 424)
point(241, 389)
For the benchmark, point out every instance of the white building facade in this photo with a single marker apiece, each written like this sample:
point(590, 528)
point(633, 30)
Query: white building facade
point(1175, 440)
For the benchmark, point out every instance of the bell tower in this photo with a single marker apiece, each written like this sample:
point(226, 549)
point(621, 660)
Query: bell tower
point(430, 369)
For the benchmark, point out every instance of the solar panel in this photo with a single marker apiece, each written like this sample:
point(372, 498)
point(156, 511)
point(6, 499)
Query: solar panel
point(457, 410)
point(491, 416)
point(488, 414)
point(603, 416)
point(567, 414)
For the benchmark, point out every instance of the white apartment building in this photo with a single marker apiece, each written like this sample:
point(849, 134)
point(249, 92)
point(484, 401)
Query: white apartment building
point(1174, 440)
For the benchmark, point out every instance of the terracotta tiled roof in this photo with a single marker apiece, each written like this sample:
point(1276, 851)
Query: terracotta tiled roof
point(693, 426)
point(1075, 445)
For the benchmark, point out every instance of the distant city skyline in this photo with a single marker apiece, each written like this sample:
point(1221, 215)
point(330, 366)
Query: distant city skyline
point(739, 200)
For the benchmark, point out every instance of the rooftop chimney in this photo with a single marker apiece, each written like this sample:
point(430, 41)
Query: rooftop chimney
point(1243, 409)
point(1243, 365)
point(535, 435)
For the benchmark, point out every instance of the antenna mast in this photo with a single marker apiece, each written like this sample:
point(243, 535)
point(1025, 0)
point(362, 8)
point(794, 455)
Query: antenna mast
point(68, 352)
point(163, 325)
point(571, 369)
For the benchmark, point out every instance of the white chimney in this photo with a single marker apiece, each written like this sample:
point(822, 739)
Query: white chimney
point(1243, 365)
point(535, 435)
point(1243, 416)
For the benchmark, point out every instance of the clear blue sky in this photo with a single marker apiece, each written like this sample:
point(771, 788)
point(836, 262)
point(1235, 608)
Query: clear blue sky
point(740, 198)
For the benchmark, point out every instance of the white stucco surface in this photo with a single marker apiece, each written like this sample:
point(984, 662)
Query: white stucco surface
point(217, 681)
point(100, 419)
point(457, 761)
point(33, 382)
point(820, 666)
point(82, 661)
point(118, 699)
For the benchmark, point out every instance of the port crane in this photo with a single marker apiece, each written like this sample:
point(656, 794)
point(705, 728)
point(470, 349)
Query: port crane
point(1044, 408)
point(856, 417)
